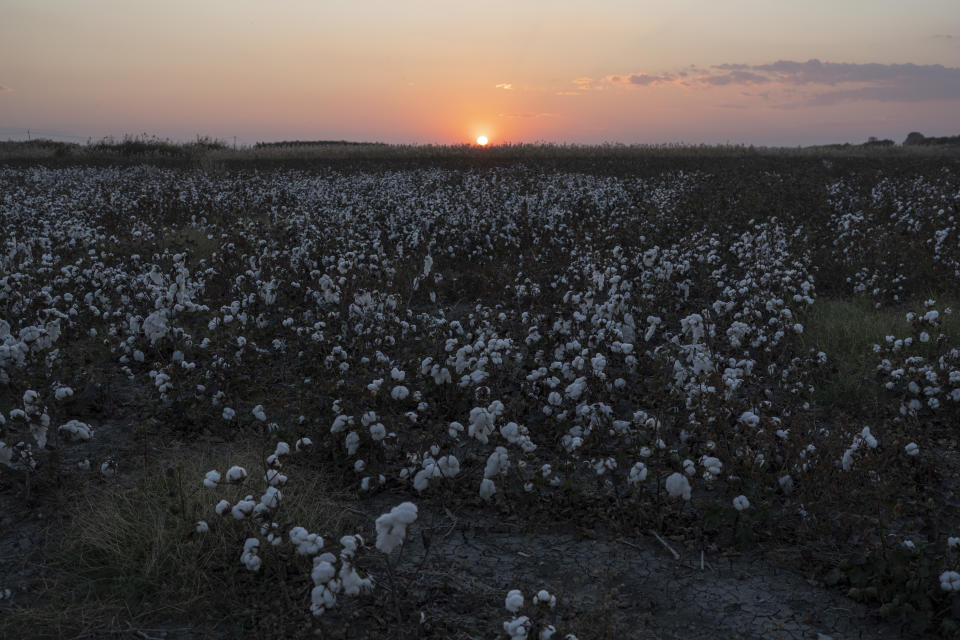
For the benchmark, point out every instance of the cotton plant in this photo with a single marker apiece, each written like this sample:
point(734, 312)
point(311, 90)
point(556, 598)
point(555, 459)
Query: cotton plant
point(392, 526)
point(332, 576)
point(532, 619)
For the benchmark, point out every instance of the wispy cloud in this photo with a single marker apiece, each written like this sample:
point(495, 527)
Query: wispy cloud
point(642, 79)
point(3, 88)
point(506, 86)
point(942, 36)
point(810, 83)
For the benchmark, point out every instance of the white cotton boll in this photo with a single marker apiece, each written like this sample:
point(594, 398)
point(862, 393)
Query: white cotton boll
point(712, 465)
point(155, 326)
point(422, 479)
point(481, 424)
point(576, 388)
point(307, 543)
point(83, 465)
point(392, 527)
point(259, 413)
point(243, 508)
point(359, 466)
point(351, 582)
point(846, 462)
point(274, 478)
point(678, 486)
point(397, 375)
point(455, 430)
point(786, 483)
point(750, 419)
point(249, 558)
point(202, 526)
point(321, 599)
point(638, 473)
point(340, 423)
point(598, 363)
point(868, 438)
point(76, 430)
point(399, 392)
point(323, 570)
point(950, 581)
point(555, 399)
point(912, 449)
point(282, 449)
point(498, 462)
point(352, 442)
point(953, 543)
point(350, 545)
point(303, 444)
point(513, 601)
point(689, 468)
point(211, 479)
point(108, 469)
point(222, 507)
point(487, 488)
point(271, 498)
point(378, 431)
point(543, 597)
point(228, 413)
point(62, 393)
point(236, 474)
point(518, 628)
point(449, 466)
point(548, 632)
point(740, 503)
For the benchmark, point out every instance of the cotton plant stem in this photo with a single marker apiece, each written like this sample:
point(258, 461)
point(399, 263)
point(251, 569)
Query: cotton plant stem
point(676, 556)
point(393, 595)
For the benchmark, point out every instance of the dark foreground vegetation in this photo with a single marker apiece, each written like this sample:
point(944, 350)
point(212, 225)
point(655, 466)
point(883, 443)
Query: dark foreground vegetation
point(528, 391)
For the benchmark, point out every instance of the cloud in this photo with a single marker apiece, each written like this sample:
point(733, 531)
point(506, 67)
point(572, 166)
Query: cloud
point(645, 80)
point(738, 76)
point(3, 88)
point(568, 93)
point(942, 36)
point(813, 82)
point(506, 86)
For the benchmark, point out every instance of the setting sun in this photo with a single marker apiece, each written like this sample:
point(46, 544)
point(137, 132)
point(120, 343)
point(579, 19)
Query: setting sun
point(482, 141)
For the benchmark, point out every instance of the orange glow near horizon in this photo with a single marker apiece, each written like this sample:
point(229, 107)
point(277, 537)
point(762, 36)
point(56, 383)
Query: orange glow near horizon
point(554, 71)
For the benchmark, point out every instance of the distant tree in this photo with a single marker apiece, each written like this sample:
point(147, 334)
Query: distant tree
point(914, 137)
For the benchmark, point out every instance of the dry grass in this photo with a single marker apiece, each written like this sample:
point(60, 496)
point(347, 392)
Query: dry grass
point(847, 329)
point(129, 554)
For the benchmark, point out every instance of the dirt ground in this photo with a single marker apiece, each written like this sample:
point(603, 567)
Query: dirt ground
point(606, 586)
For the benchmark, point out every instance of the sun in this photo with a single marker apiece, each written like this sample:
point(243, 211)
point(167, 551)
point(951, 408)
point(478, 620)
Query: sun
point(482, 141)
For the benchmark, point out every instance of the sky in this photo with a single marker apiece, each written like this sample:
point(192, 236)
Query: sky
point(765, 72)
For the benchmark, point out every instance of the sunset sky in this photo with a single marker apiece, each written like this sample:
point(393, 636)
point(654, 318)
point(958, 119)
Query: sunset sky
point(698, 71)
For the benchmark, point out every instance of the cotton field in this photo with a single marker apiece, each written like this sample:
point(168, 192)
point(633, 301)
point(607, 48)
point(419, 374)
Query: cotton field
point(635, 356)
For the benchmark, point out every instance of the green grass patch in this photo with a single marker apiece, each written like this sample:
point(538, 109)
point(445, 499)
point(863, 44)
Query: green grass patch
point(130, 553)
point(846, 330)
